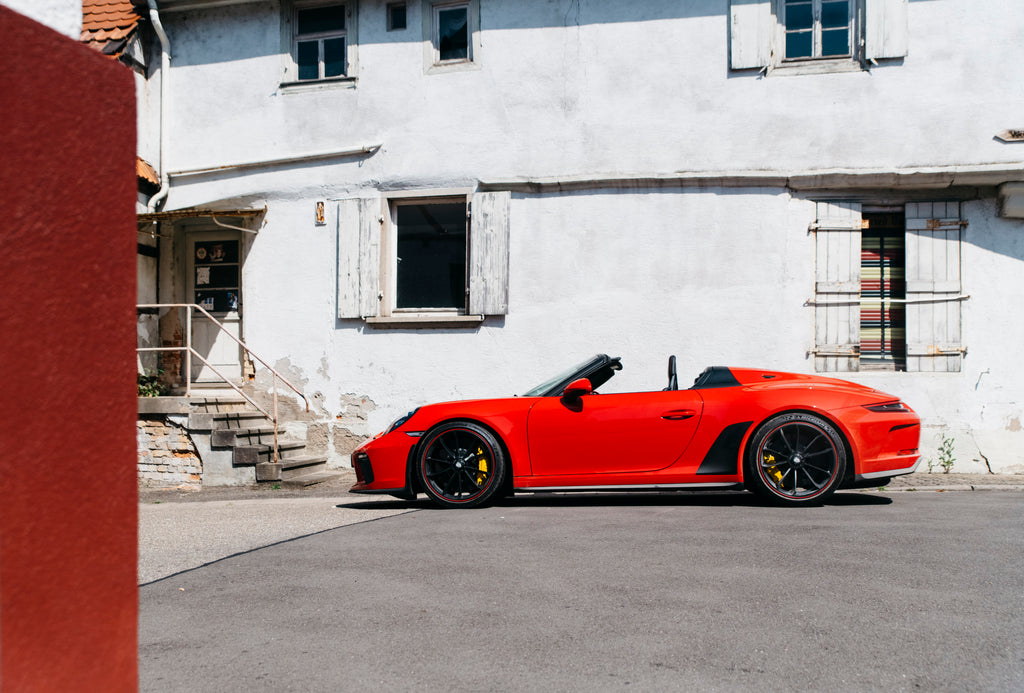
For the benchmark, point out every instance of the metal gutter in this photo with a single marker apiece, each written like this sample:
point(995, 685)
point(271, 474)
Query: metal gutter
point(301, 158)
point(165, 74)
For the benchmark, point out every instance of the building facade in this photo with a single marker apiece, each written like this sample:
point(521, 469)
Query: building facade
point(402, 202)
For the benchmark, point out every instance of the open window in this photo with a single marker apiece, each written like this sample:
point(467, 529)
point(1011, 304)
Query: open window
point(413, 259)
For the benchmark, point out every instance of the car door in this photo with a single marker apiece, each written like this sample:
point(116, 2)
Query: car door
point(606, 434)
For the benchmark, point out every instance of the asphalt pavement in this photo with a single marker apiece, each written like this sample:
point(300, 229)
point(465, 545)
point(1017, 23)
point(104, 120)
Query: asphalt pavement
point(873, 591)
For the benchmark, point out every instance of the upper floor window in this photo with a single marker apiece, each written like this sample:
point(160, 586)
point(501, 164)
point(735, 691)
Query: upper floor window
point(321, 41)
point(817, 28)
point(815, 35)
point(451, 35)
point(451, 29)
point(396, 16)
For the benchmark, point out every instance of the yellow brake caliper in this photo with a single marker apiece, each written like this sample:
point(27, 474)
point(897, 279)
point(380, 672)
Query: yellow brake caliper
point(773, 471)
point(482, 467)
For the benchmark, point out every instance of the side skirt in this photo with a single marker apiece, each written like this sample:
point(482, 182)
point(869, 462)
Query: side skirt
point(632, 487)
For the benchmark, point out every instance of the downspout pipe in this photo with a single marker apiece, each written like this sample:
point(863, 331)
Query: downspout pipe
point(165, 73)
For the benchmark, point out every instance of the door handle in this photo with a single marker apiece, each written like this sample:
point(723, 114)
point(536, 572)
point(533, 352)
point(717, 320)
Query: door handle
point(679, 414)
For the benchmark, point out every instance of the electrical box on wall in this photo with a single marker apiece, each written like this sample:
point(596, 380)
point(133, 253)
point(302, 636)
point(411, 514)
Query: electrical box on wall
point(1011, 200)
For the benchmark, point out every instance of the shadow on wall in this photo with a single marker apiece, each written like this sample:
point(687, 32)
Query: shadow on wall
point(213, 36)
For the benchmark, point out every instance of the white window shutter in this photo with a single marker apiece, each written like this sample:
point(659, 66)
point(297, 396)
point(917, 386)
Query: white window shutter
point(750, 33)
point(885, 30)
point(358, 257)
point(837, 287)
point(933, 286)
point(488, 253)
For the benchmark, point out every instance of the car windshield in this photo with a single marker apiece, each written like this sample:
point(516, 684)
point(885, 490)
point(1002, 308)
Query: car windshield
point(583, 369)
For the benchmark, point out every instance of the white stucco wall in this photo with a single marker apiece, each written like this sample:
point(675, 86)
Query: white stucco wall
point(715, 275)
point(573, 88)
point(63, 16)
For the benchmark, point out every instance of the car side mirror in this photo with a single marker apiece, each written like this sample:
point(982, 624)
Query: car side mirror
point(576, 389)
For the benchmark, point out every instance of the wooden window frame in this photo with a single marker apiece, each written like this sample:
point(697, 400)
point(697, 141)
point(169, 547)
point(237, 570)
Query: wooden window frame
point(367, 241)
point(816, 32)
point(389, 257)
point(432, 62)
point(291, 39)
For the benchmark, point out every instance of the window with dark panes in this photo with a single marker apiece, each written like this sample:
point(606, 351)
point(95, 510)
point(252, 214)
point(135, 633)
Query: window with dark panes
point(452, 39)
point(818, 28)
point(431, 255)
point(216, 280)
point(396, 16)
point(321, 41)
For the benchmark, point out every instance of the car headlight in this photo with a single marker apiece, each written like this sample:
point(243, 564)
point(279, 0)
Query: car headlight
point(888, 407)
point(400, 420)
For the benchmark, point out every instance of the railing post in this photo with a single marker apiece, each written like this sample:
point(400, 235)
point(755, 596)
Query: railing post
point(188, 351)
point(275, 420)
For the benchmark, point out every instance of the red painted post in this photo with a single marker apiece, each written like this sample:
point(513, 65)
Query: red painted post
point(68, 490)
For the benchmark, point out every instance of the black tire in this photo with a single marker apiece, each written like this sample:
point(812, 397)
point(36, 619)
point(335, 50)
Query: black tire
point(795, 459)
point(460, 465)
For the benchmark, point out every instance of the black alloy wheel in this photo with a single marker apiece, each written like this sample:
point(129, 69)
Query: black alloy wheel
point(795, 459)
point(460, 465)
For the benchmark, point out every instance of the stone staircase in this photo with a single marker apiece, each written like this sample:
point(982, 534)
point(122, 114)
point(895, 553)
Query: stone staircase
point(238, 441)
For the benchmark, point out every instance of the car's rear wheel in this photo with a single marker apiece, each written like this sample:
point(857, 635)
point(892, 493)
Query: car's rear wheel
point(460, 465)
point(795, 459)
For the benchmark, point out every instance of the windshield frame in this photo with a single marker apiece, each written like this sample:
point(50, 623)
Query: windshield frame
point(598, 369)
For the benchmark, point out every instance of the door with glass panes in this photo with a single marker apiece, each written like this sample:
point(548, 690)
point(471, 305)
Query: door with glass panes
point(215, 284)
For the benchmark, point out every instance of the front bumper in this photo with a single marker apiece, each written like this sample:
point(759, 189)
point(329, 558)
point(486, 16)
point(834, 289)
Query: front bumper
point(381, 464)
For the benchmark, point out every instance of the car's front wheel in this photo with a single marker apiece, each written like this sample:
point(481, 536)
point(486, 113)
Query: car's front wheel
point(460, 465)
point(795, 459)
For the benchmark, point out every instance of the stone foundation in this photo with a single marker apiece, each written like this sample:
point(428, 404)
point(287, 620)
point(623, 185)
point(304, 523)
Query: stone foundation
point(167, 456)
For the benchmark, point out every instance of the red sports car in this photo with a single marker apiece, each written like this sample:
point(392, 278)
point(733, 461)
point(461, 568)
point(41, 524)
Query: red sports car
point(794, 439)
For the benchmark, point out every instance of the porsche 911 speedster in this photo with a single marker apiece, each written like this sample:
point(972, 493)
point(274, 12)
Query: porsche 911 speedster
point(793, 439)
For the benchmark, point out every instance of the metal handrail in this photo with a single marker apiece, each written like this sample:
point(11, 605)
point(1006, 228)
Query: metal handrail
point(187, 348)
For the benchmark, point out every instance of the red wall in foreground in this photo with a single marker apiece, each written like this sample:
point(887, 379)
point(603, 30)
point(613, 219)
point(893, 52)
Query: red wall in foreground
point(68, 498)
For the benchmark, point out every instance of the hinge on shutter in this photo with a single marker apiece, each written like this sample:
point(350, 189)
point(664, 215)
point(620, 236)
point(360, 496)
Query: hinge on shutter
point(934, 224)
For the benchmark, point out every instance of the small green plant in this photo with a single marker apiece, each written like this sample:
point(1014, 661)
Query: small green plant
point(151, 384)
point(276, 487)
point(947, 458)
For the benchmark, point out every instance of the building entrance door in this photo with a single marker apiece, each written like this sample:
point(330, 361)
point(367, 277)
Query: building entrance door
point(215, 283)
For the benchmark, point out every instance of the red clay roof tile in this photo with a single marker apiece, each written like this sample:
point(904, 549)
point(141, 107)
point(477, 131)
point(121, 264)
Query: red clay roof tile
point(104, 21)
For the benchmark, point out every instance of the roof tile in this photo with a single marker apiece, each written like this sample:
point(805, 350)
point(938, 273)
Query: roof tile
point(104, 21)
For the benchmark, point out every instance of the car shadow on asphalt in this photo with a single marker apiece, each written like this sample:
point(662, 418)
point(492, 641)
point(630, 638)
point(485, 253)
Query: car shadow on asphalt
point(611, 499)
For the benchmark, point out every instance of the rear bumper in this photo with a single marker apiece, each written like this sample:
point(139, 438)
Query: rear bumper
point(888, 473)
point(885, 444)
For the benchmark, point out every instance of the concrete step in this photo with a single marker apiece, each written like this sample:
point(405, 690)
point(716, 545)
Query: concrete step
point(311, 478)
point(248, 455)
point(228, 437)
point(292, 467)
point(214, 405)
point(239, 419)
